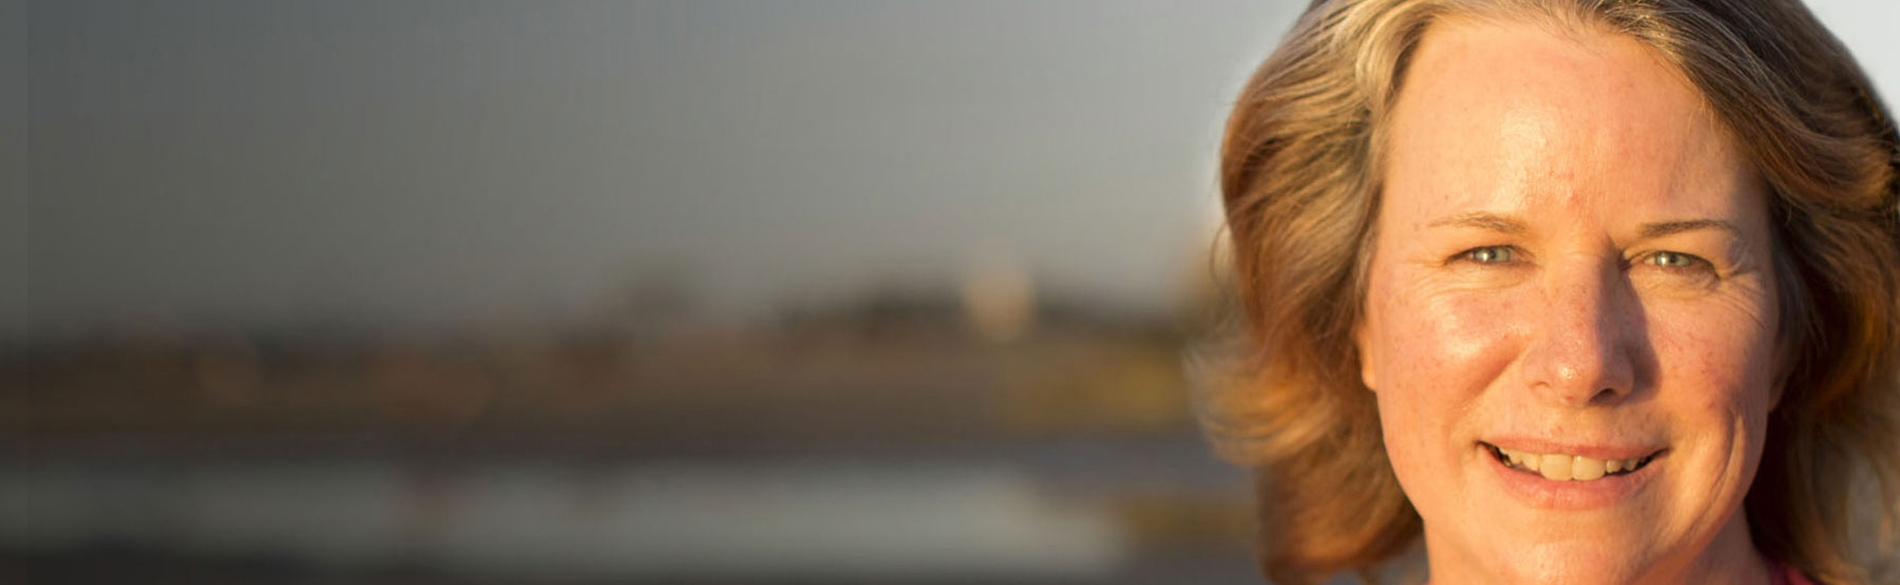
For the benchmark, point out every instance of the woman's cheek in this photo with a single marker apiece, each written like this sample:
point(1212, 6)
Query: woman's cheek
point(1454, 342)
point(1723, 358)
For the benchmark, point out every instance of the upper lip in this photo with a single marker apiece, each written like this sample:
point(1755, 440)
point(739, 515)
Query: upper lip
point(1603, 451)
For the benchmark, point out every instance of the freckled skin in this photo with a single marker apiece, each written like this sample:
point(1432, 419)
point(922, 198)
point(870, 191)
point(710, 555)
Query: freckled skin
point(1591, 330)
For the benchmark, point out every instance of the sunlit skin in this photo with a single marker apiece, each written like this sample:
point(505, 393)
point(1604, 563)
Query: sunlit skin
point(1572, 256)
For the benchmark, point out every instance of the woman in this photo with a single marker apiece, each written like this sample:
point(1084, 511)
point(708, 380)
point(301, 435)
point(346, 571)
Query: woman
point(1579, 291)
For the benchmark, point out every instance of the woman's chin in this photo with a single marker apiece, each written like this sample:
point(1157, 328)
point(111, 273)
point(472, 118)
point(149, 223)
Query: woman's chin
point(1568, 563)
point(1546, 546)
point(1540, 531)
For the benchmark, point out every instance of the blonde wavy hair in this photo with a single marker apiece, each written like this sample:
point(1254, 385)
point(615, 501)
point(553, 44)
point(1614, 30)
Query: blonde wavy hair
point(1300, 180)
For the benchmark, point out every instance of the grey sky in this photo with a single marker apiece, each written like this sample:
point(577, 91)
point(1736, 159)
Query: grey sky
point(415, 162)
point(448, 160)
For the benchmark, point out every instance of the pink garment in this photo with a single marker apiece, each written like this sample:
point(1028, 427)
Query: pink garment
point(1786, 575)
point(1782, 575)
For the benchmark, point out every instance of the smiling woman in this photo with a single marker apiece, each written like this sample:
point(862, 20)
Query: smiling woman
point(1608, 292)
point(1593, 310)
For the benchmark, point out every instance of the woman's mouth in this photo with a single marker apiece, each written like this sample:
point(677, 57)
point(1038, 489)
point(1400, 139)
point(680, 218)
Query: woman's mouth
point(1566, 467)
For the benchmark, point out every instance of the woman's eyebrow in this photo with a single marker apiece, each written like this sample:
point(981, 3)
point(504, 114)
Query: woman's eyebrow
point(1665, 228)
point(1510, 225)
point(1484, 220)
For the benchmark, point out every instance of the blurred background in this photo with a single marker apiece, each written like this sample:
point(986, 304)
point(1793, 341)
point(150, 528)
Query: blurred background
point(482, 291)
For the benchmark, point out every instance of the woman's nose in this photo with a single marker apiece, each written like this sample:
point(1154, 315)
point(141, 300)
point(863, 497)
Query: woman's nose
point(1582, 348)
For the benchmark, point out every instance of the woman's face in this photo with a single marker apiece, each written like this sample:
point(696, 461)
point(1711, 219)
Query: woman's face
point(1573, 269)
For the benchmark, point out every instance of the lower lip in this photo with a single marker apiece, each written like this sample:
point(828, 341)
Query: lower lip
point(1538, 492)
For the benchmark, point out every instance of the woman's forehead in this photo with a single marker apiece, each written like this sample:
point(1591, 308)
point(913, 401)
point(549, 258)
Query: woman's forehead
point(1505, 118)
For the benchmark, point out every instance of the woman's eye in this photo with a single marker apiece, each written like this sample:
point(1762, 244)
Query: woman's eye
point(1489, 255)
point(1680, 268)
point(1674, 260)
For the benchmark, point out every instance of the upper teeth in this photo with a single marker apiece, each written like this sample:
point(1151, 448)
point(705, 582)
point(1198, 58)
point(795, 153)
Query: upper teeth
point(1561, 467)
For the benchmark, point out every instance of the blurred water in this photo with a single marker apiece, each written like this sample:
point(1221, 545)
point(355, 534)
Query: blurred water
point(1057, 513)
